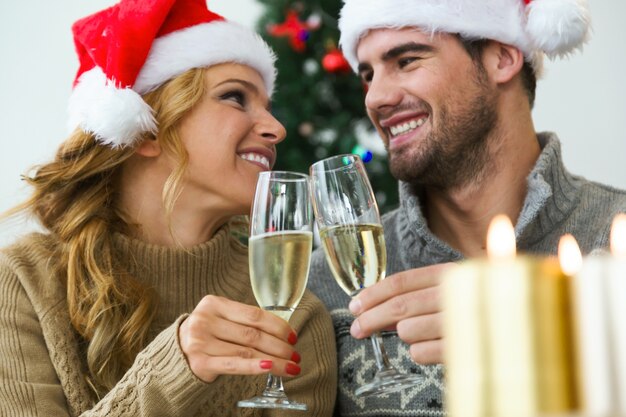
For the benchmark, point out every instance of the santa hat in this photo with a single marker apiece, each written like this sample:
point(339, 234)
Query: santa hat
point(536, 27)
point(135, 46)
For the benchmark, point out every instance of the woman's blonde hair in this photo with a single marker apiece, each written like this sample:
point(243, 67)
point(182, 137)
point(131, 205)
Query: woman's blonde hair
point(75, 199)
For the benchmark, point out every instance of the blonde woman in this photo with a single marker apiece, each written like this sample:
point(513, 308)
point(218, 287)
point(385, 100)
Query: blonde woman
point(136, 299)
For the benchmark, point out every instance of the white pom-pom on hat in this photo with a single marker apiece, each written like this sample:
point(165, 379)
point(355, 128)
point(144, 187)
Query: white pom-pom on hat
point(558, 27)
point(117, 117)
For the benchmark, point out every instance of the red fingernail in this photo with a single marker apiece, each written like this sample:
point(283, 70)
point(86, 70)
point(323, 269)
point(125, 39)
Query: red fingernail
point(265, 364)
point(295, 357)
point(292, 369)
point(293, 338)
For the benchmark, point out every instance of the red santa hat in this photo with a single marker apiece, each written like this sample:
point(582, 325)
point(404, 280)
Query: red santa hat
point(135, 46)
point(536, 27)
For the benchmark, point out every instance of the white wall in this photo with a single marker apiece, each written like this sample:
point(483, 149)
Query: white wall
point(583, 98)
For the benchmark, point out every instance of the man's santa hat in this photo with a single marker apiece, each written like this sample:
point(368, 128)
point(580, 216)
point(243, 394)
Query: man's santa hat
point(536, 27)
point(135, 46)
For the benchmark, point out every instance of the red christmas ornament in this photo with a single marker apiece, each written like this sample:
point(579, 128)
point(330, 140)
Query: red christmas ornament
point(334, 62)
point(293, 28)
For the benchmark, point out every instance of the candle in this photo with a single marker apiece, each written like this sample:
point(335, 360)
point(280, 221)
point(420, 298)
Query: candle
point(591, 318)
point(600, 299)
point(617, 307)
point(464, 332)
point(557, 371)
point(507, 331)
point(510, 338)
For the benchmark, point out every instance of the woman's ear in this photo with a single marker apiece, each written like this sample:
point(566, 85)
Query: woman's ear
point(502, 61)
point(149, 148)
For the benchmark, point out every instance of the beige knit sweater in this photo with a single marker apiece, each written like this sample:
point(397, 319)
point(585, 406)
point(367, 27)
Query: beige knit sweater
point(42, 361)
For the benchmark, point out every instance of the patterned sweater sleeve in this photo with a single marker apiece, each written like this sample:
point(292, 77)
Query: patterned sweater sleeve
point(317, 384)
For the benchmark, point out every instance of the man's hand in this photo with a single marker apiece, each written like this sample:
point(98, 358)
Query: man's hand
point(408, 302)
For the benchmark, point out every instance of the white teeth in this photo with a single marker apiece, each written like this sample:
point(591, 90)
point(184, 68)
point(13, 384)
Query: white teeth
point(406, 127)
point(254, 157)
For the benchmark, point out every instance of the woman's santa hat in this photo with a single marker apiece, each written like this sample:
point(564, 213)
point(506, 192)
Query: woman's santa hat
point(135, 46)
point(536, 27)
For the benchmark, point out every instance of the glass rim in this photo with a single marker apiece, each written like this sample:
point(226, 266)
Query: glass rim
point(355, 159)
point(284, 175)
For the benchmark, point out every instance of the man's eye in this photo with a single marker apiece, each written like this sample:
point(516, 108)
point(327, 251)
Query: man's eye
point(237, 96)
point(403, 62)
point(366, 77)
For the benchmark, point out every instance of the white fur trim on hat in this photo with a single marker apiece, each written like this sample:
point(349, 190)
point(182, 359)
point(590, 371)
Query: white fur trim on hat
point(501, 20)
point(202, 46)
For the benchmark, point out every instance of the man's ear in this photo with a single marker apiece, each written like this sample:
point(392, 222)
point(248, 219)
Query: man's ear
point(149, 148)
point(502, 61)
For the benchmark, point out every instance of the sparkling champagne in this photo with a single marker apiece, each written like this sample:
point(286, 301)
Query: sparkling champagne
point(356, 254)
point(279, 268)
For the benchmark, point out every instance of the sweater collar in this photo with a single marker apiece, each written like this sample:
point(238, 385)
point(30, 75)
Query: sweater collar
point(552, 194)
point(218, 266)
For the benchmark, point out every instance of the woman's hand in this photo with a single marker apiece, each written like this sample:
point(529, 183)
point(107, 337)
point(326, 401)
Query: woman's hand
point(226, 337)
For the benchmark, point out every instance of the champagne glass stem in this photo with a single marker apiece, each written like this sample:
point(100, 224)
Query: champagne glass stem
point(274, 387)
point(382, 361)
point(273, 397)
point(386, 378)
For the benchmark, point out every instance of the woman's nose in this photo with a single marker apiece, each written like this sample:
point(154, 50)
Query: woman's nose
point(271, 129)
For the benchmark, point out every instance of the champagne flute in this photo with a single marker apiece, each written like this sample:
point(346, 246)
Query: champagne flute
point(279, 255)
point(352, 237)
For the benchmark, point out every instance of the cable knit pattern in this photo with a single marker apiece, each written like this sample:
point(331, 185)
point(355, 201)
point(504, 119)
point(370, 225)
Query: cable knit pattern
point(65, 356)
point(556, 203)
point(42, 360)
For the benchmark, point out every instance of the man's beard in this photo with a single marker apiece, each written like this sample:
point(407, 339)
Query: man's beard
point(456, 151)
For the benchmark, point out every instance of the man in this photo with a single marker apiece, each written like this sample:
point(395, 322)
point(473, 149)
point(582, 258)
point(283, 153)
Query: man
point(450, 88)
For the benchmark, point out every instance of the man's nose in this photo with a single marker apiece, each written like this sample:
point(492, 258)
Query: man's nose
point(382, 92)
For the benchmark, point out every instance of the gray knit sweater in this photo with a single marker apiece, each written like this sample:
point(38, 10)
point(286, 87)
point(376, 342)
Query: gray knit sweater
point(557, 203)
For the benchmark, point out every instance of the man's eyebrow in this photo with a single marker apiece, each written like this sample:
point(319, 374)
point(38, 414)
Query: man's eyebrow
point(406, 47)
point(397, 51)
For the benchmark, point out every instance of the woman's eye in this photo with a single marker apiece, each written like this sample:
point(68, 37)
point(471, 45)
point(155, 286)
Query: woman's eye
point(237, 96)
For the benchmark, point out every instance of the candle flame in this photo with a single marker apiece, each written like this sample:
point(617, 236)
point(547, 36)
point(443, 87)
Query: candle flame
point(570, 258)
point(501, 238)
point(618, 236)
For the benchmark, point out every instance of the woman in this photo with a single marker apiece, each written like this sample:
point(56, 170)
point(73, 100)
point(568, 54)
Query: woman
point(136, 300)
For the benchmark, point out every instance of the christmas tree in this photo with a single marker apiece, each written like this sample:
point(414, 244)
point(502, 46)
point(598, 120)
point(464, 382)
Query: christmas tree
point(319, 99)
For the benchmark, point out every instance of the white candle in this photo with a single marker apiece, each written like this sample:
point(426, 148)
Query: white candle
point(510, 338)
point(592, 332)
point(600, 300)
point(616, 286)
point(465, 354)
